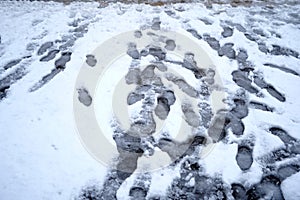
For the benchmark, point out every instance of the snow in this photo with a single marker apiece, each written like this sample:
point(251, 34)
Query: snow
point(41, 154)
point(288, 187)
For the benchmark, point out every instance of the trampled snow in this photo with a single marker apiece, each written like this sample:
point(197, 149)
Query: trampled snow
point(41, 154)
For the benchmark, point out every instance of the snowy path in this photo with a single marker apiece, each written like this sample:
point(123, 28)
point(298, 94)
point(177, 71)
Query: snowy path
point(255, 50)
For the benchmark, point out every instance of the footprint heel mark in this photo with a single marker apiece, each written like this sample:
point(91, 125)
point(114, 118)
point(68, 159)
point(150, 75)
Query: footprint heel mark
point(138, 34)
point(91, 60)
point(170, 96)
point(227, 50)
point(170, 45)
point(138, 193)
point(240, 109)
point(164, 103)
point(141, 186)
point(210, 77)
point(84, 97)
point(235, 124)
point(244, 157)
point(227, 32)
point(132, 51)
point(162, 108)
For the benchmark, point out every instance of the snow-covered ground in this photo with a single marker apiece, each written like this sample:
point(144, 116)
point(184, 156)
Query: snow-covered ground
point(255, 51)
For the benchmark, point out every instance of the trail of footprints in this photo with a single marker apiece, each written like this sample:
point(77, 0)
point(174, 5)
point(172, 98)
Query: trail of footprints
point(49, 50)
point(224, 121)
point(204, 186)
point(131, 145)
point(242, 75)
point(46, 52)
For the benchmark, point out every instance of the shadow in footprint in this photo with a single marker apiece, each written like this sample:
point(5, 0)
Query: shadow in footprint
point(260, 106)
point(284, 69)
point(44, 47)
point(84, 97)
point(242, 80)
point(244, 157)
